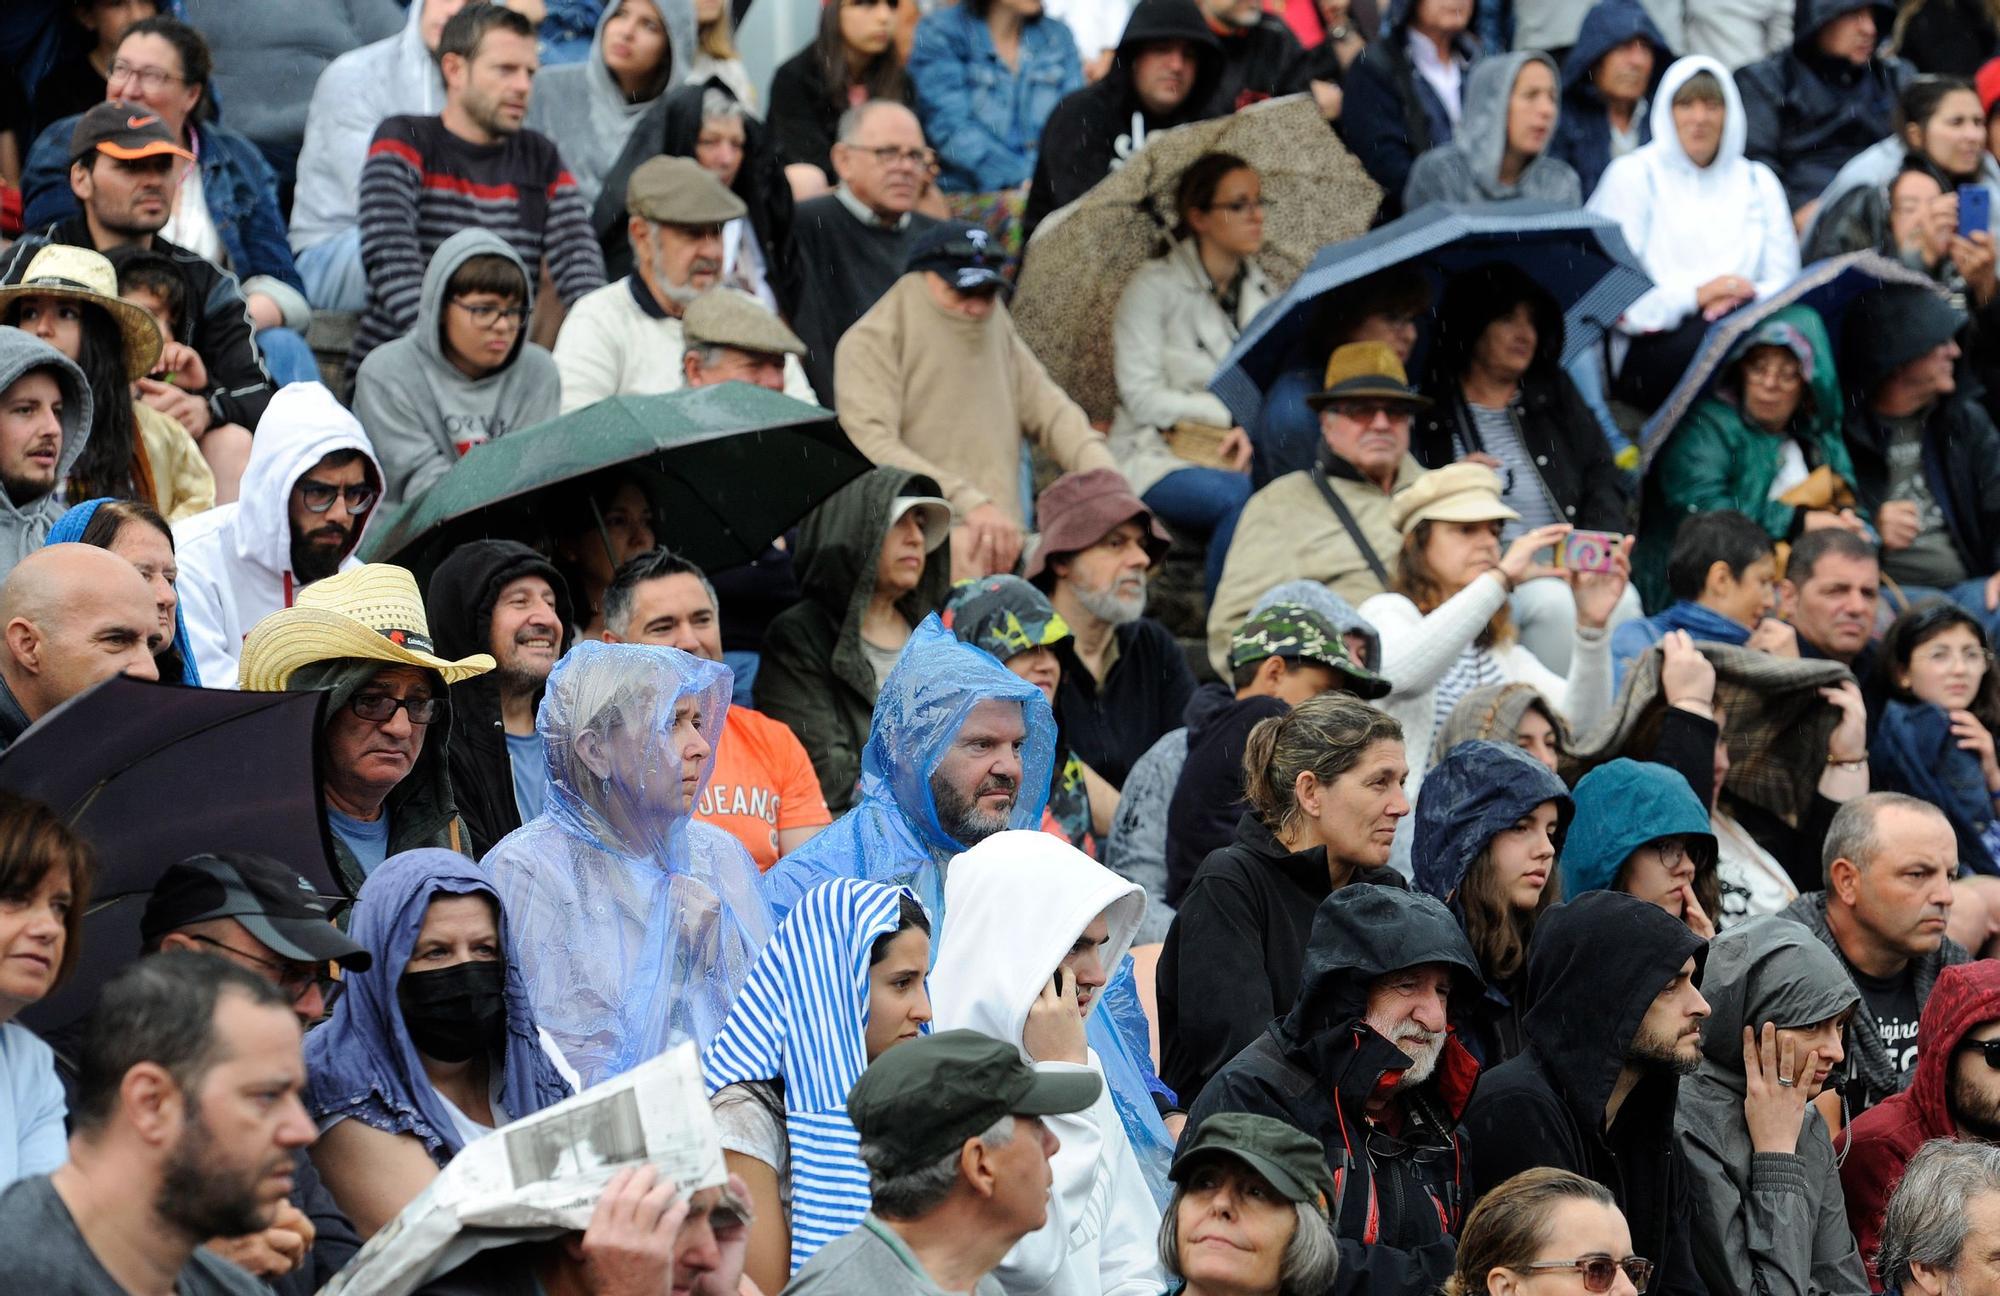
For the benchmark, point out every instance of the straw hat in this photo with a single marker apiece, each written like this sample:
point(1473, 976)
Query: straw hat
point(1367, 371)
point(372, 613)
point(80, 274)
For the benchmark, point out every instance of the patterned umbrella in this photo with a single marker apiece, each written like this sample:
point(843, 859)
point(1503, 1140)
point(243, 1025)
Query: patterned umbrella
point(1081, 257)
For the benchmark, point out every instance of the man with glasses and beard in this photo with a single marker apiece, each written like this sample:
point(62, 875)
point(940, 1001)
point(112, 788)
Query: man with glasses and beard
point(186, 1122)
point(1616, 1023)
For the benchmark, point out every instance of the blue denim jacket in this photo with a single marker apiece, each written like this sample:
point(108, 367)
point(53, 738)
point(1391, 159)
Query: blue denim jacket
point(984, 119)
point(239, 185)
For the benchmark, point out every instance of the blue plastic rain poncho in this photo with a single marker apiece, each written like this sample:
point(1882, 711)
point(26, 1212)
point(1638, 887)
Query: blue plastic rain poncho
point(803, 1018)
point(361, 1064)
point(633, 924)
point(69, 529)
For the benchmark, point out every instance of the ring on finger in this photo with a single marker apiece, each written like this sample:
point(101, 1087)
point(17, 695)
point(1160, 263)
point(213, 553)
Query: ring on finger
point(1786, 1082)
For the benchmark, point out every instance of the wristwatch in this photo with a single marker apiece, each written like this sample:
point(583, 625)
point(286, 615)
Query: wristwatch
point(1339, 33)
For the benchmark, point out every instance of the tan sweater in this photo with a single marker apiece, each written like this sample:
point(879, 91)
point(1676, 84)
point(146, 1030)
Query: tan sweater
point(935, 393)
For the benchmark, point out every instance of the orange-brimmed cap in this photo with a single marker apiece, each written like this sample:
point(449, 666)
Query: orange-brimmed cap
point(122, 129)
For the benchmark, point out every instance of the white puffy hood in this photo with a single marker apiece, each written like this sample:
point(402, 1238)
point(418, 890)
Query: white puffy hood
point(302, 425)
point(1734, 128)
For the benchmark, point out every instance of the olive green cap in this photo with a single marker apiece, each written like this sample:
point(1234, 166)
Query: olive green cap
point(1291, 1161)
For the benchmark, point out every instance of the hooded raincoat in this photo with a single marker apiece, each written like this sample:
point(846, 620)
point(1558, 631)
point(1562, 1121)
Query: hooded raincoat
point(1391, 114)
point(1773, 1223)
point(25, 527)
point(1583, 130)
point(1622, 805)
point(1596, 965)
point(69, 529)
point(361, 1064)
point(236, 559)
point(1480, 790)
point(1018, 903)
point(582, 107)
point(421, 411)
point(634, 924)
point(1468, 168)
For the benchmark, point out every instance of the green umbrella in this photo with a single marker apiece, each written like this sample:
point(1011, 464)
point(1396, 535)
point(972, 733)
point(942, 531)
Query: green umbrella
point(727, 468)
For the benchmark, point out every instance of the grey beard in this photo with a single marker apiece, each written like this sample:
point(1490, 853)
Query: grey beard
point(1110, 606)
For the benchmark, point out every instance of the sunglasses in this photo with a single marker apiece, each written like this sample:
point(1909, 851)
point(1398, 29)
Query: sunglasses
point(318, 497)
point(1600, 1271)
point(378, 707)
point(1991, 1048)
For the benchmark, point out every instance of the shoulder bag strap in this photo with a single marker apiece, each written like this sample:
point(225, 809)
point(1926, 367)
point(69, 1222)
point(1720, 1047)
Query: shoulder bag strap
point(1346, 516)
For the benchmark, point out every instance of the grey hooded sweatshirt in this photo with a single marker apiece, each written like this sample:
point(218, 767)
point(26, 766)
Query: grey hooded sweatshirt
point(1468, 168)
point(582, 108)
point(420, 411)
point(1765, 1223)
point(23, 527)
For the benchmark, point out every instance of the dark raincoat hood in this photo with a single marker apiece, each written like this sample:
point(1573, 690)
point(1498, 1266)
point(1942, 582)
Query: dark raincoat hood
point(1609, 24)
point(1769, 969)
point(1808, 16)
point(1479, 789)
point(1620, 806)
point(1161, 20)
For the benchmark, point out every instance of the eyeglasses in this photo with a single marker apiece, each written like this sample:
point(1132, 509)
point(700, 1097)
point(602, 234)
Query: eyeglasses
point(486, 314)
point(889, 155)
point(293, 978)
point(1991, 1048)
point(1240, 206)
point(1366, 411)
point(379, 707)
point(870, 4)
point(318, 497)
point(1944, 655)
point(1384, 1146)
point(1776, 372)
point(1673, 852)
point(1599, 1271)
point(150, 79)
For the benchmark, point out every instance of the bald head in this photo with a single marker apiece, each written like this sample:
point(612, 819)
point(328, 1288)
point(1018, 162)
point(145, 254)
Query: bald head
point(73, 615)
point(881, 157)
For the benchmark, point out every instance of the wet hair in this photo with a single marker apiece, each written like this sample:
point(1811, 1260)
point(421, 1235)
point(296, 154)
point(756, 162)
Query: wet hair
point(882, 78)
point(105, 465)
point(33, 843)
point(1473, 301)
point(1417, 581)
point(197, 64)
point(1399, 290)
point(466, 30)
point(102, 532)
point(142, 269)
point(1511, 1223)
point(1324, 736)
point(1701, 86)
point(1925, 622)
point(1498, 932)
point(1196, 189)
point(909, 916)
point(1927, 1219)
point(655, 564)
point(489, 272)
point(1812, 546)
point(1721, 536)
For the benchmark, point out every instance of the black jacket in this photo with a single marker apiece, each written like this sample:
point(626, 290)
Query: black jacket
point(1596, 965)
point(1557, 428)
point(804, 114)
point(1257, 63)
point(1208, 797)
point(1110, 725)
point(1390, 114)
point(1961, 461)
point(1237, 950)
point(1401, 1196)
point(459, 607)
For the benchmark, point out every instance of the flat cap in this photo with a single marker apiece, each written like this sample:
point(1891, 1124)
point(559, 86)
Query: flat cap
point(680, 191)
point(726, 317)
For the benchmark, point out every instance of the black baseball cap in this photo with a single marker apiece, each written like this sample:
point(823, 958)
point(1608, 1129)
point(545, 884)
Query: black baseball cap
point(920, 1101)
point(273, 903)
point(126, 130)
point(967, 255)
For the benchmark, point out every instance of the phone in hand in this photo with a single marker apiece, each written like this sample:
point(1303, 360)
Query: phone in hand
point(1058, 981)
point(1589, 551)
point(1975, 210)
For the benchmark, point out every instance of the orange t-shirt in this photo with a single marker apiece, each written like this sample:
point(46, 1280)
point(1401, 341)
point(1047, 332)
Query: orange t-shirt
point(763, 782)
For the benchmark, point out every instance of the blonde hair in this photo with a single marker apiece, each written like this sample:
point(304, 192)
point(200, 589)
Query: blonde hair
point(1511, 1223)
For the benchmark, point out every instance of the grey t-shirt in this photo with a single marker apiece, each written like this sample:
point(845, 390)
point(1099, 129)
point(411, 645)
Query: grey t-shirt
point(46, 1253)
point(1521, 486)
point(1932, 559)
point(873, 1259)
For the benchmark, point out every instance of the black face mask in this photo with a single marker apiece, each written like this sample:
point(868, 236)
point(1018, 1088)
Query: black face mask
point(455, 1012)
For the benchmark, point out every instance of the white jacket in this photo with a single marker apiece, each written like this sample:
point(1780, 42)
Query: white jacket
point(1737, 32)
point(1689, 224)
point(611, 346)
point(236, 559)
point(1015, 905)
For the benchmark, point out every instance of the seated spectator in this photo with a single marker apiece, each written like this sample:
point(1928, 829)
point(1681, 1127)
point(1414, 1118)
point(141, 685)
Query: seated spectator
point(602, 522)
point(1280, 658)
point(465, 374)
point(1945, 39)
point(1721, 573)
point(45, 876)
point(68, 297)
point(1259, 53)
point(357, 92)
point(1173, 328)
point(987, 74)
point(1236, 1184)
point(1641, 830)
point(1954, 1095)
point(1325, 793)
point(634, 925)
point(952, 1130)
point(501, 598)
point(1813, 106)
point(1036, 933)
point(1370, 1039)
point(1528, 1226)
point(796, 1039)
point(870, 569)
point(641, 50)
point(1939, 1219)
point(1332, 522)
point(473, 165)
point(1890, 859)
point(1501, 149)
point(852, 61)
point(1163, 74)
point(1710, 225)
point(135, 532)
point(1831, 596)
point(1124, 677)
point(1502, 399)
point(1772, 423)
point(1613, 1025)
point(1738, 34)
point(45, 424)
point(1608, 78)
point(1405, 94)
point(715, 57)
point(308, 487)
point(79, 78)
point(432, 1046)
point(1489, 826)
point(1936, 734)
point(940, 340)
point(1509, 714)
point(764, 791)
point(187, 1104)
point(73, 616)
point(851, 245)
point(731, 337)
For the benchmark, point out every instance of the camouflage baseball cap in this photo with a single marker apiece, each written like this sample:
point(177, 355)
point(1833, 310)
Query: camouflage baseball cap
point(1003, 615)
point(1288, 630)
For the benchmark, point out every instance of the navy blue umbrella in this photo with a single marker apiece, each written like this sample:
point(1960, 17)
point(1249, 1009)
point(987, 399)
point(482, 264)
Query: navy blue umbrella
point(1827, 286)
point(1579, 257)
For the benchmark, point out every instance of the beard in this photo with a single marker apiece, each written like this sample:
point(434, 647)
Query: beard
point(311, 562)
point(1655, 1052)
point(1423, 1054)
point(960, 816)
point(22, 492)
point(1108, 605)
point(1974, 1111)
point(205, 1202)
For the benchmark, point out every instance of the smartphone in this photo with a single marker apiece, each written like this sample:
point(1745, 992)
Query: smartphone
point(1589, 551)
point(1975, 210)
point(1058, 980)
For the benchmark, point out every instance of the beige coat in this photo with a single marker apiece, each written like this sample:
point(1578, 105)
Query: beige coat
point(182, 483)
point(1287, 532)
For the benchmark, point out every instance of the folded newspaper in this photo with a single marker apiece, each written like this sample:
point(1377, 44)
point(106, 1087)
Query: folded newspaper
point(541, 1176)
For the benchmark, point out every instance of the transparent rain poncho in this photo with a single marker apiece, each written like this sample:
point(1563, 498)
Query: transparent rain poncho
point(633, 924)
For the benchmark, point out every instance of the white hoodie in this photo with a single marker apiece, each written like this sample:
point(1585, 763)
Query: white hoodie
point(1015, 905)
point(236, 559)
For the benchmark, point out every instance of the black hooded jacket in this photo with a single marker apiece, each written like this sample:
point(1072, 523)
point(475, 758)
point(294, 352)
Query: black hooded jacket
point(1400, 1193)
point(1596, 965)
point(459, 607)
point(1090, 133)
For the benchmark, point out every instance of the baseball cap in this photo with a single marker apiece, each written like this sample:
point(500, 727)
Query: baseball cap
point(122, 129)
point(967, 255)
point(1288, 630)
point(920, 1101)
point(1290, 1160)
point(273, 903)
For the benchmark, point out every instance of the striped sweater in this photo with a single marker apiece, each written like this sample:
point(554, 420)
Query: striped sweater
point(422, 184)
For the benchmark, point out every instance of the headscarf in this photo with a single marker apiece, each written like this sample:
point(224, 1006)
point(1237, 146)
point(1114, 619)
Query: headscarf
point(69, 529)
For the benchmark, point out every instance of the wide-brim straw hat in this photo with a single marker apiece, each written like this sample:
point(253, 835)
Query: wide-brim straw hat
point(371, 613)
point(80, 274)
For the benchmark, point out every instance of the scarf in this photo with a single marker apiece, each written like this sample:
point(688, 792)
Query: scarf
point(69, 529)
